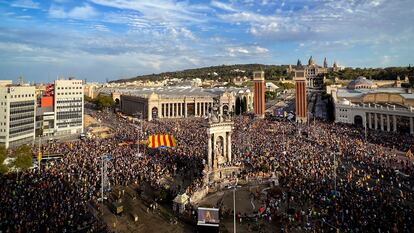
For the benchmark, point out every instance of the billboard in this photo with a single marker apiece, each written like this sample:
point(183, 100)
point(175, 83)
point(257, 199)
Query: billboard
point(208, 217)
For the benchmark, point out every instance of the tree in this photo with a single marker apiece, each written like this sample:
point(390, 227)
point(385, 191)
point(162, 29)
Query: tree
point(3, 155)
point(24, 157)
point(104, 101)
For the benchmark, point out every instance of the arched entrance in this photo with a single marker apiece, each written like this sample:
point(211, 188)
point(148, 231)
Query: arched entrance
point(117, 101)
point(358, 121)
point(244, 105)
point(238, 106)
point(154, 113)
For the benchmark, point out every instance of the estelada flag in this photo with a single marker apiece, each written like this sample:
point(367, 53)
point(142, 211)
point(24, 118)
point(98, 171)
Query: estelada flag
point(160, 140)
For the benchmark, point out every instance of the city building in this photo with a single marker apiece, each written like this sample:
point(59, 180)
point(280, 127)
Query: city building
point(17, 114)
point(45, 114)
point(314, 74)
point(364, 104)
point(301, 97)
point(179, 102)
point(68, 107)
point(259, 93)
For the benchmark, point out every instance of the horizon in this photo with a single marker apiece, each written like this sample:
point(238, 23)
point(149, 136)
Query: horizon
point(102, 39)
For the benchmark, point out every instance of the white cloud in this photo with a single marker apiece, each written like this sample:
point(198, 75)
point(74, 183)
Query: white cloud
point(223, 6)
point(245, 51)
point(168, 12)
point(25, 4)
point(80, 12)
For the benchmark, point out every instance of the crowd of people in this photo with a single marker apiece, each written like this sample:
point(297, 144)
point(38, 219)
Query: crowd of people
point(330, 176)
point(368, 195)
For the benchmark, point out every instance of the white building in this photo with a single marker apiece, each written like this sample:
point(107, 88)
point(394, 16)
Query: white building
point(17, 114)
point(68, 103)
point(364, 104)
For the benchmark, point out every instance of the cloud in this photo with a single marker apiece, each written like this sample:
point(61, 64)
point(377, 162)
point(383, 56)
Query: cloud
point(246, 51)
point(162, 11)
point(223, 6)
point(80, 12)
point(25, 4)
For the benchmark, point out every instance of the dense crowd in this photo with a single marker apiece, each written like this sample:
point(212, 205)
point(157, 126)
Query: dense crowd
point(369, 195)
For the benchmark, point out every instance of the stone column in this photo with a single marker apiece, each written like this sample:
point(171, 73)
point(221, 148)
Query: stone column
point(411, 126)
point(229, 159)
point(185, 109)
point(195, 108)
point(394, 123)
point(376, 121)
point(369, 121)
point(382, 122)
point(209, 152)
point(388, 123)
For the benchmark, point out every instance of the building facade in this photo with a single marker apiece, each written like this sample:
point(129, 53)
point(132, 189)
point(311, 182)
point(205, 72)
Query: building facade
point(314, 74)
point(259, 93)
point(68, 106)
point(17, 114)
point(178, 102)
point(363, 104)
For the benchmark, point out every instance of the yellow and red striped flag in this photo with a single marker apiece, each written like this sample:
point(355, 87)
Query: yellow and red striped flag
point(159, 140)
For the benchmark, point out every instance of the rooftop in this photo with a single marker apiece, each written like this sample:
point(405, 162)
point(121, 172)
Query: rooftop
point(175, 91)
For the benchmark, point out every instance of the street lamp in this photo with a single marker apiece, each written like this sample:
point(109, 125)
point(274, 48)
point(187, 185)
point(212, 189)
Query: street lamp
point(234, 203)
point(104, 158)
point(140, 127)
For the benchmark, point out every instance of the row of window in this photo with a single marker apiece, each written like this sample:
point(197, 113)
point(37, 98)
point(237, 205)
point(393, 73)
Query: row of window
point(20, 96)
point(69, 93)
point(69, 99)
point(22, 103)
point(30, 123)
point(20, 131)
point(68, 88)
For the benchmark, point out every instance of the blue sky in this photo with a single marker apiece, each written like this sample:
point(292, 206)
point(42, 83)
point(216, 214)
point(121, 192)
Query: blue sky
point(112, 39)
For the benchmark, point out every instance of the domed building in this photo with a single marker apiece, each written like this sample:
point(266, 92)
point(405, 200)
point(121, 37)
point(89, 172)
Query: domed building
point(361, 83)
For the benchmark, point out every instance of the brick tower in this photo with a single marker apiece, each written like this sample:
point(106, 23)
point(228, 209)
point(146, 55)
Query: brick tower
point(301, 102)
point(259, 93)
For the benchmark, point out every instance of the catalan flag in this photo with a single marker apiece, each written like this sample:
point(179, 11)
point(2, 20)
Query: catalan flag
point(160, 140)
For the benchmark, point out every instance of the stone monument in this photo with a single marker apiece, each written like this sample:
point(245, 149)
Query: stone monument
point(219, 129)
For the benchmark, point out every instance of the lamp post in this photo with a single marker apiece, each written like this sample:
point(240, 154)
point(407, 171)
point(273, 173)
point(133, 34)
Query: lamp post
point(104, 159)
point(234, 203)
point(140, 128)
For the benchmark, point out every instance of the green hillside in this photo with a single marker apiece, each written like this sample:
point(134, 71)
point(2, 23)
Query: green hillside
point(223, 72)
point(274, 72)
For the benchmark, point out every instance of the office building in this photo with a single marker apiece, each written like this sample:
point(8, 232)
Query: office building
point(17, 114)
point(68, 107)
